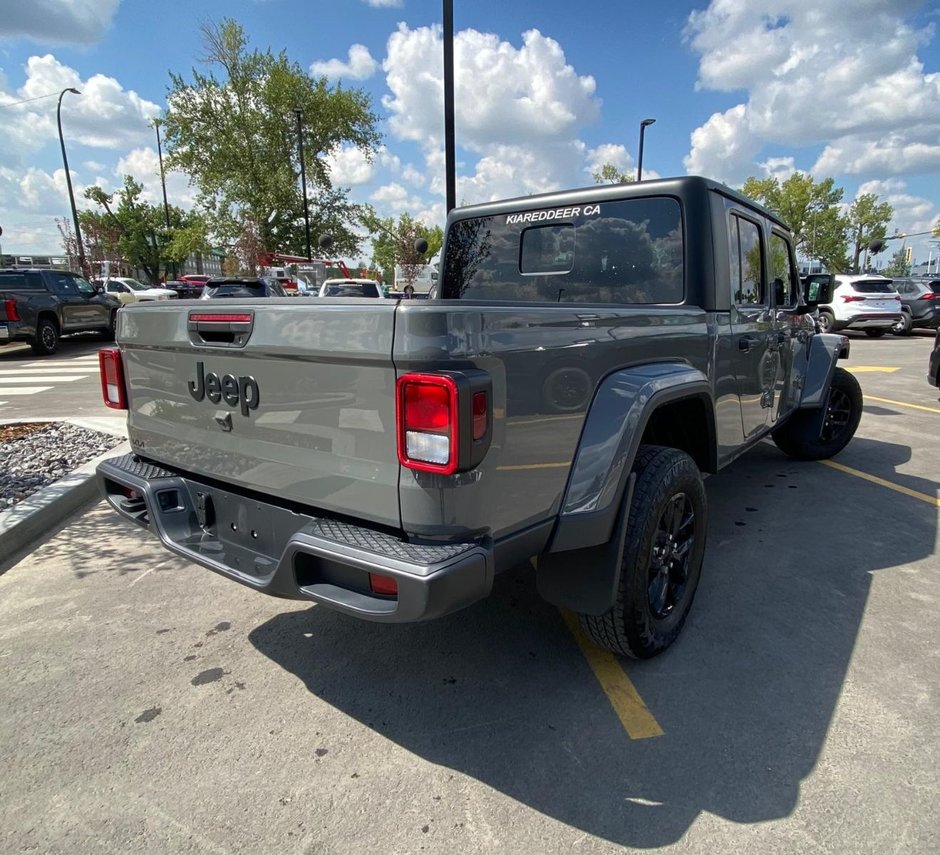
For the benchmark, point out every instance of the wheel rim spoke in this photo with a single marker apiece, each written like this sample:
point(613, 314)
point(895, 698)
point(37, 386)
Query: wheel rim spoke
point(671, 554)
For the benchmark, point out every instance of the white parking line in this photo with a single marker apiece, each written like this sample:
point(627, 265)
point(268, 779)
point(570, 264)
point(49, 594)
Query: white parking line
point(81, 372)
point(44, 378)
point(28, 390)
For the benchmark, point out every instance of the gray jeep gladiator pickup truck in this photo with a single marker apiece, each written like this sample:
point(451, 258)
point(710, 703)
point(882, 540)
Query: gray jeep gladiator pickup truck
point(40, 306)
point(590, 355)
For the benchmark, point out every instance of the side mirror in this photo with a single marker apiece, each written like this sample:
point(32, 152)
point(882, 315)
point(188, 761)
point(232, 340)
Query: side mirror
point(817, 289)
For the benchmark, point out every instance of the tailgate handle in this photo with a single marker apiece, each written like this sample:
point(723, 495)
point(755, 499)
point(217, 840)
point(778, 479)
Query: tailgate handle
point(220, 329)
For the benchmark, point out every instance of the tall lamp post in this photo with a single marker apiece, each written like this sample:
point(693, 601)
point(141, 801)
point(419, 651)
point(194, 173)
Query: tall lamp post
point(166, 207)
point(68, 180)
point(639, 161)
point(303, 178)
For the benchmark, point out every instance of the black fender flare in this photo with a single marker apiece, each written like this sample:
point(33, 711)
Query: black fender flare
point(580, 568)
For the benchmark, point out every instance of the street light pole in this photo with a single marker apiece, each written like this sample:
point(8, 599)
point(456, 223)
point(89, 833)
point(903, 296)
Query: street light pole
point(166, 207)
point(303, 178)
point(68, 180)
point(450, 151)
point(639, 161)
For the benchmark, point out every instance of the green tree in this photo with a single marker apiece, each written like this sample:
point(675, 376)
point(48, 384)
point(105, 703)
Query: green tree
point(393, 243)
point(811, 209)
point(133, 232)
point(899, 265)
point(609, 174)
point(868, 219)
point(235, 135)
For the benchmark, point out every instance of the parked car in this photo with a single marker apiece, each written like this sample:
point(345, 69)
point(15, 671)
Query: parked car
point(39, 306)
point(920, 304)
point(933, 367)
point(243, 287)
point(866, 302)
point(198, 279)
point(128, 290)
point(185, 290)
point(352, 288)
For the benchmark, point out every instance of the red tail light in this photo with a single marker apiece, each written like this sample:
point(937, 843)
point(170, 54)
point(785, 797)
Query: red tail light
point(930, 295)
point(10, 310)
point(113, 387)
point(852, 298)
point(428, 423)
point(443, 420)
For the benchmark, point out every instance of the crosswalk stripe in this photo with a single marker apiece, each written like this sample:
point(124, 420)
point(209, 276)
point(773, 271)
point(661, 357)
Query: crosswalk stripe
point(43, 378)
point(65, 363)
point(18, 372)
point(29, 390)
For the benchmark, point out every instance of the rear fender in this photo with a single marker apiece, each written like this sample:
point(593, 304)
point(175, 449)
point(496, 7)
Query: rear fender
point(580, 569)
point(825, 350)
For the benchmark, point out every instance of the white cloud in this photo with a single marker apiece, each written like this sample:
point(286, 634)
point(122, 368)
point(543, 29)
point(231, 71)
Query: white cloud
point(349, 165)
point(508, 95)
point(816, 71)
point(61, 21)
point(143, 165)
point(359, 66)
point(104, 115)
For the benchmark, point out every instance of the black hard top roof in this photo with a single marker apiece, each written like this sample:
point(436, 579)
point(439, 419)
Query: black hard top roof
point(682, 187)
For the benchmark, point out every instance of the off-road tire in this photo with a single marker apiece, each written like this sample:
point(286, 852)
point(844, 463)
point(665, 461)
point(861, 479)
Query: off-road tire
point(46, 341)
point(875, 332)
point(799, 436)
point(107, 334)
point(826, 321)
point(667, 480)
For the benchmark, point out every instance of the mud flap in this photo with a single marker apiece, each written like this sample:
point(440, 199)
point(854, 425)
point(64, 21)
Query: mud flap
point(586, 580)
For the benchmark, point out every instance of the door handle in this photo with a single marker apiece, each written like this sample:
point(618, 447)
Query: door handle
point(745, 342)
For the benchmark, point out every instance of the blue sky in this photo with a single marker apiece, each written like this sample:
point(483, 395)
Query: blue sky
point(546, 91)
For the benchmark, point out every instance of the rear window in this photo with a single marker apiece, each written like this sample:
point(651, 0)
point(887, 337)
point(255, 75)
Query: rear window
point(873, 286)
point(625, 252)
point(350, 290)
point(238, 289)
point(20, 282)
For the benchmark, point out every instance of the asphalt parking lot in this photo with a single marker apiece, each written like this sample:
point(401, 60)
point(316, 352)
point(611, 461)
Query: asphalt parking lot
point(151, 706)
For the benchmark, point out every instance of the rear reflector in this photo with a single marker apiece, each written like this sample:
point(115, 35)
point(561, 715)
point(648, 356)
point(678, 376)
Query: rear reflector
point(480, 415)
point(113, 388)
point(384, 585)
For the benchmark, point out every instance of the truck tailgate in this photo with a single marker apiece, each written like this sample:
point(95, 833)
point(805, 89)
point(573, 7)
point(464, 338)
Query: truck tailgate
point(292, 398)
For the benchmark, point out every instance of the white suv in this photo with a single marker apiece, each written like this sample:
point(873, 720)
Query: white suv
point(866, 302)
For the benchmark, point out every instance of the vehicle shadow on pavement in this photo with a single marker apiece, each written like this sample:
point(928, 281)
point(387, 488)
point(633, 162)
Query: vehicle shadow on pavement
point(500, 692)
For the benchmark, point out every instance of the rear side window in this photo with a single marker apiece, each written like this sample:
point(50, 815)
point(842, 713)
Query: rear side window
point(241, 289)
point(747, 287)
point(782, 274)
point(621, 252)
point(20, 282)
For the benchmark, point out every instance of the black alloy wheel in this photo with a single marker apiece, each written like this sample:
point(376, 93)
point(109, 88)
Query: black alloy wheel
point(671, 554)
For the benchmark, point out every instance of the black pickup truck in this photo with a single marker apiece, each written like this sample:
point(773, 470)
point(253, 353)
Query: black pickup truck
point(39, 306)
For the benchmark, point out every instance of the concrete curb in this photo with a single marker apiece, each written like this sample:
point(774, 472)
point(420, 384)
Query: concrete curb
point(27, 522)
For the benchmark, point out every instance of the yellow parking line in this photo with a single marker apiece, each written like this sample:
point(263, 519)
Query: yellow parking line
point(874, 479)
point(636, 718)
point(902, 404)
point(870, 369)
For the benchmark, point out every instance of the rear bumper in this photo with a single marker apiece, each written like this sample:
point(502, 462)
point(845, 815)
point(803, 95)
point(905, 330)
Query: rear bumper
point(286, 553)
point(870, 321)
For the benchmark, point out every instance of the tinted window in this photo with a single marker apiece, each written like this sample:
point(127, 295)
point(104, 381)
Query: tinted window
point(625, 252)
point(20, 282)
point(238, 289)
point(745, 255)
point(873, 286)
point(64, 284)
point(782, 274)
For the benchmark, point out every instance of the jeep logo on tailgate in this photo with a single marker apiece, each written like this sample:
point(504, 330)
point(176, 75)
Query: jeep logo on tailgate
point(233, 390)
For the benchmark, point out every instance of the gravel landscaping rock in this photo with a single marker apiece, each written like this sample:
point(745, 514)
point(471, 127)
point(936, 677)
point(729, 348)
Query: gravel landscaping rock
point(34, 455)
